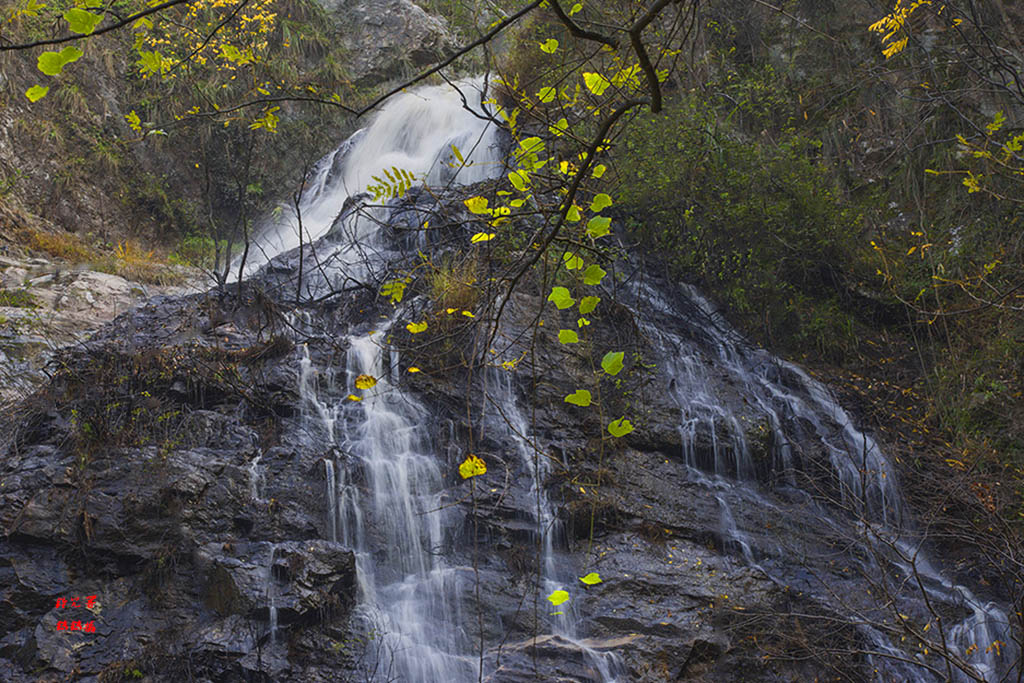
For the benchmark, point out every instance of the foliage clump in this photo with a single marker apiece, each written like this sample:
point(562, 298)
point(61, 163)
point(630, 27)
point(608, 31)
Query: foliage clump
point(760, 224)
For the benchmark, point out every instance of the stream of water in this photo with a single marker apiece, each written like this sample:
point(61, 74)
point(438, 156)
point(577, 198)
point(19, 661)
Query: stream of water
point(385, 490)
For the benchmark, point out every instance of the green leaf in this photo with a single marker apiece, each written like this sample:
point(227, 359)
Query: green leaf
point(591, 579)
point(573, 215)
point(612, 362)
point(558, 597)
point(593, 274)
point(516, 203)
point(150, 62)
point(582, 322)
point(601, 201)
point(36, 93)
point(549, 46)
point(620, 427)
point(560, 127)
point(482, 237)
point(52, 63)
point(572, 261)
point(581, 398)
point(596, 83)
point(81, 21)
point(519, 179)
point(568, 337)
point(588, 304)
point(560, 297)
point(598, 226)
point(599, 171)
point(476, 204)
point(997, 123)
point(269, 122)
point(546, 94)
point(575, 8)
point(531, 145)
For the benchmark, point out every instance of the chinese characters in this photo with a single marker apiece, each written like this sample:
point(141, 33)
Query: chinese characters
point(76, 603)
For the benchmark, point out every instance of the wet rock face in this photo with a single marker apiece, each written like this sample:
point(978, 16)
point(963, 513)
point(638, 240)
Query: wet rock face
point(160, 516)
point(170, 471)
point(176, 470)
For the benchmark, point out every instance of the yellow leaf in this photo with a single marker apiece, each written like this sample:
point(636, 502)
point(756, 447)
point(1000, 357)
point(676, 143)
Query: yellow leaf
point(591, 579)
point(353, 397)
point(365, 382)
point(476, 204)
point(416, 328)
point(449, 311)
point(482, 237)
point(468, 314)
point(558, 597)
point(472, 466)
point(414, 369)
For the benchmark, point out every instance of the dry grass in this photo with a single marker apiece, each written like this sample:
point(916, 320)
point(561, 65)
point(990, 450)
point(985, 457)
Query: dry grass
point(132, 262)
point(452, 284)
point(129, 259)
point(62, 245)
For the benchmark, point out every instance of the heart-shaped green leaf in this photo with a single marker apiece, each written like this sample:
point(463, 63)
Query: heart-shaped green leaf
point(588, 304)
point(572, 261)
point(591, 579)
point(581, 398)
point(558, 597)
point(596, 83)
point(36, 92)
point(593, 274)
point(476, 204)
point(601, 201)
point(52, 63)
point(560, 297)
point(612, 362)
point(620, 427)
point(598, 226)
point(82, 21)
point(568, 336)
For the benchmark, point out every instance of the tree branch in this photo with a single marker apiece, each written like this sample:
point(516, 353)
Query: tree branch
point(578, 32)
point(128, 20)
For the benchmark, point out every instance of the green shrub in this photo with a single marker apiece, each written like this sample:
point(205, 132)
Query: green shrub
point(17, 298)
point(759, 222)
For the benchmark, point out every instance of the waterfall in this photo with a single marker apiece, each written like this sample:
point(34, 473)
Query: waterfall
point(416, 131)
point(555, 572)
point(387, 494)
point(864, 479)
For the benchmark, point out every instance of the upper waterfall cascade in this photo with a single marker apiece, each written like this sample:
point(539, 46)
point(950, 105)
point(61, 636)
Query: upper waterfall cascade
point(414, 132)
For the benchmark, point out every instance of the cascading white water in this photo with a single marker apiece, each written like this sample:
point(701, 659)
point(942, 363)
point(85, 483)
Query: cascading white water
point(271, 606)
point(409, 597)
point(414, 132)
point(511, 424)
point(383, 496)
point(383, 481)
point(867, 483)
